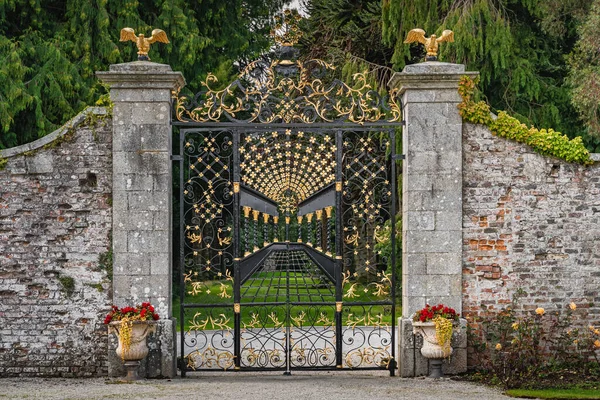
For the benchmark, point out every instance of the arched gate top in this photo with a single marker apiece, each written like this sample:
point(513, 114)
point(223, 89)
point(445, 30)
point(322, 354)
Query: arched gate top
point(288, 91)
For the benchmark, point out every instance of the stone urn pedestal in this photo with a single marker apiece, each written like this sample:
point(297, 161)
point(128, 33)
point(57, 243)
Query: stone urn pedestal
point(431, 348)
point(137, 349)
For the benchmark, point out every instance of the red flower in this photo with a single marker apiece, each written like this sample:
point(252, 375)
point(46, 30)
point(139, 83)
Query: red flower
point(155, 316)
point(108, 319)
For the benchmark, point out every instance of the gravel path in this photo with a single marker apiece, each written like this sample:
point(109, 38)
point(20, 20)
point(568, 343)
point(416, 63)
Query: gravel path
point(252, 386)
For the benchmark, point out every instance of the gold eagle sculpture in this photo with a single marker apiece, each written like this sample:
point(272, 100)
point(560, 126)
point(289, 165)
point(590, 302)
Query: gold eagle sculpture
point(143, 43)
point(431, 43)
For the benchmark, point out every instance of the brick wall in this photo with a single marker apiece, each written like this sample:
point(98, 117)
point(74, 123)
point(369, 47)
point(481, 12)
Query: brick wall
point(55, 222)
point(530, 222)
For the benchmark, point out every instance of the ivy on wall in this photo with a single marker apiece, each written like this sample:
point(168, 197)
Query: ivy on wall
point(544, 141)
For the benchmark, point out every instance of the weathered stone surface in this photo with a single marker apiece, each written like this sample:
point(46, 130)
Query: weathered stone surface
point(55, 223)
point(530, 222)
point(142, 185)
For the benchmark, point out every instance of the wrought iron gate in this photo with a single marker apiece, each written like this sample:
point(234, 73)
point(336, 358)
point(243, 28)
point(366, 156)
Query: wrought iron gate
point(287, 196)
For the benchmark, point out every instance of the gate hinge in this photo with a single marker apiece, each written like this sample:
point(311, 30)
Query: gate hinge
point(399, 157)
point(176, 158)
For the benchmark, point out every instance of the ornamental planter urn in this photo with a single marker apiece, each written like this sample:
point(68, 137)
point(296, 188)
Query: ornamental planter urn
point(132, 346)
point(431, 348)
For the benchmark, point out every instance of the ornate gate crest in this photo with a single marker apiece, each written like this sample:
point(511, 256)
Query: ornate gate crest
point(288, 91)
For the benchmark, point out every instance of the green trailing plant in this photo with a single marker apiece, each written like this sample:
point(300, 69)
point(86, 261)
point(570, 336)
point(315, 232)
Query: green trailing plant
point(105, 261)
point(3, 163)
point(68, 284)
point(544, 141)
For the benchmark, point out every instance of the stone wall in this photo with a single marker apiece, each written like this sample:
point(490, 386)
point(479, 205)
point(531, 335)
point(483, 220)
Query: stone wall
point(530, 222)
point(55, 223)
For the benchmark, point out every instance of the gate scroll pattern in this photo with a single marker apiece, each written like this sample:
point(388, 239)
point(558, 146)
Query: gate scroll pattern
point(287, 196)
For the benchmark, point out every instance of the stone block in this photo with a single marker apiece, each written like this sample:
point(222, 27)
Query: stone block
point(122, 113)
point(119, 201)
point(428, 285)
point(414, 264)
point(160, 263)
point(420, 161)
point(119, 241)
point(132, 264)
point(419, 221)
point(163, 183)
point(139, 96)
point(133, 182)
point(148, 241)
point(143, 162)
point(162, 221)
point(442, 201)
point(136, 138)
point(136, 221)
point(150, 201)
point(152, 113)
point(417, 182)
point(433, 241)
point(444, 263)
point(448, 221)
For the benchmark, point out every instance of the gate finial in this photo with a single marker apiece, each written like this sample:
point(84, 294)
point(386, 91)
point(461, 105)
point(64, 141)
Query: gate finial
point(286, 32)
point(431, 43)
point(143, 43)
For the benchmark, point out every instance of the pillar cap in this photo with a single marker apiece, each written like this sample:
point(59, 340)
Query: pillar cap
point(429, 75)
point(142, 75)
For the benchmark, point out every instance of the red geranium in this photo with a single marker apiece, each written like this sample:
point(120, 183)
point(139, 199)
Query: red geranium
point(141, 312)
point(429, 313)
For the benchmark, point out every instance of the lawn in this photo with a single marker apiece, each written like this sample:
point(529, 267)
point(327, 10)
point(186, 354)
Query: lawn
point(281, 287)
point(575, 393)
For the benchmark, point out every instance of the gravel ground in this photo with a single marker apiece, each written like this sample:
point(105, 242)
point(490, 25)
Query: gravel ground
point(251, 386)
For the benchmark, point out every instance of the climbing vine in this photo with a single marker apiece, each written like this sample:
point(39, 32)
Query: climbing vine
point(544, 141)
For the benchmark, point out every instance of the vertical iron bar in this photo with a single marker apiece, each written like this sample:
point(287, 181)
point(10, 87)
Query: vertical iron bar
point(236, 251)
point(310, 229)
point(181, 255)
point(392, 135)
point(319, 223)
point(338, 246)
point(265, 229)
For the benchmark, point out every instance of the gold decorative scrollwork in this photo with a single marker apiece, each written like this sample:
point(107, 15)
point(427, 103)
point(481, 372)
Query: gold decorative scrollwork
point(369, 355)
point(210, 358)
point(288, 98)
point(220, 322)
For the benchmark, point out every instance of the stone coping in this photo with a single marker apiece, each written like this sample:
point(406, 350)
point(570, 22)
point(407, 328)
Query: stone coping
point(72, 123)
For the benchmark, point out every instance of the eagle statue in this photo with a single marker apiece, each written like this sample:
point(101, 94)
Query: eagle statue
point(431, 43)
point(143, 43)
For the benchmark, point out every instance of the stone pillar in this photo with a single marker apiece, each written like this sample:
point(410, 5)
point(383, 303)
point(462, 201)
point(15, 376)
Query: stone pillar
point(142, 185)
point(431, 202)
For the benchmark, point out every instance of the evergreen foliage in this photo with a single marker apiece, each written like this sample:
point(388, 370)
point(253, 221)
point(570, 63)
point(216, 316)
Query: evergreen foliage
point(519, 47)
point(584, 75)
point(49, 50)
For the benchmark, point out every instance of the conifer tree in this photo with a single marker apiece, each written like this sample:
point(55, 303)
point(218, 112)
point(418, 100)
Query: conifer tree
point(50, 49)
point(584, 75)
point(519, 47)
